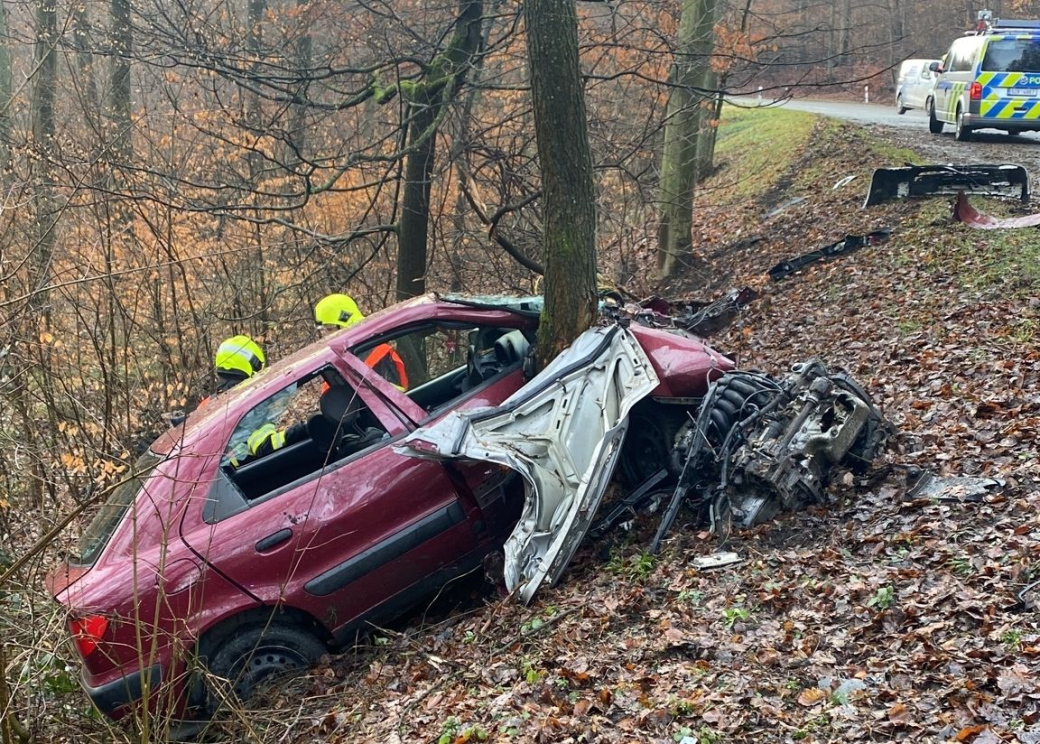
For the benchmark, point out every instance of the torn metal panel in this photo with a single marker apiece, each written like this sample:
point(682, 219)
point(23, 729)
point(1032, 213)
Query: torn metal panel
point(969, 215)
point(932, 180)
point(957, 488)
point(563, 433)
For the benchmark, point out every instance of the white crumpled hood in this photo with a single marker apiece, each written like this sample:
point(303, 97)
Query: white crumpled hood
point(563, 433)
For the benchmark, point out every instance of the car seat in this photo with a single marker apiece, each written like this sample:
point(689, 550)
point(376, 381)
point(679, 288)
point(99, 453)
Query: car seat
point(337, 430)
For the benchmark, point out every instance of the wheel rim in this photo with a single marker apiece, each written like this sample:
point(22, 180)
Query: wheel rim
point(265, 662)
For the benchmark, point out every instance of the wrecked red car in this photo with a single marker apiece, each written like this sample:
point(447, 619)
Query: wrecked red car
point(212, 567)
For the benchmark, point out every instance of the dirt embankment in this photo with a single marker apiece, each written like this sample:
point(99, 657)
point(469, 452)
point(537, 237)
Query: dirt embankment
point(874, 617)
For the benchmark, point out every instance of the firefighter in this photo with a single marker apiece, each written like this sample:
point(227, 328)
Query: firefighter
point(268, 438)
point(238, 358)
point(340, 311)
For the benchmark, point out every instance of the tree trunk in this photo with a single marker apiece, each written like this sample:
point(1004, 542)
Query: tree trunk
point(679, 155)
point(43, 143)
point(426, 102)
point(254, 114)
point(297, 134)
point(119, 101)
point(5, 95)
point(81, 40)
point(565, 161)
point(413, 231)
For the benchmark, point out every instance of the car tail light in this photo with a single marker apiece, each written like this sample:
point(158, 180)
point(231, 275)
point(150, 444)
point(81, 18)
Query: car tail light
point(975, 92)
point(87, 631)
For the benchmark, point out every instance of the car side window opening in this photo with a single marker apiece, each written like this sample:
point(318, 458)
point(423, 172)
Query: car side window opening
point(297, 431)
point(446, 360)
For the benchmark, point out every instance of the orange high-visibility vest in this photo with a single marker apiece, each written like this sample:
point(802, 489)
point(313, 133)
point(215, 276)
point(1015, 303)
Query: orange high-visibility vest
point(388, 363)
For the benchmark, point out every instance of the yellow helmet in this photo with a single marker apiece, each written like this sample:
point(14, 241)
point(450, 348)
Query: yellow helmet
point(337, 310)
point(239, 356)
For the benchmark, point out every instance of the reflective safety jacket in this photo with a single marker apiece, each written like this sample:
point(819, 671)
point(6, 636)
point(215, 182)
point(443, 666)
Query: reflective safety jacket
point(388, 363)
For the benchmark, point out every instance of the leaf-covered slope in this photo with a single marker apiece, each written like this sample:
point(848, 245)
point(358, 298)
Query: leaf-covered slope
point(874, 618)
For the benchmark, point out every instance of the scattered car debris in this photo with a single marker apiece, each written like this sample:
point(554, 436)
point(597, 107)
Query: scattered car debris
point(935, 180)
point(969, 215)
point(700, 318)
point(843, 182)
point(846, 245)
point(708, 319)
point(956, 488)
point(783, 207)
point(716, 560)
point(760, 445)
point(628, 505)
point(1029, 596)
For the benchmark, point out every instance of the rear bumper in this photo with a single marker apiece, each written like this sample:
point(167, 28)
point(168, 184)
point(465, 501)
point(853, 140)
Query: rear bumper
point(975, 121)
point(111, 697)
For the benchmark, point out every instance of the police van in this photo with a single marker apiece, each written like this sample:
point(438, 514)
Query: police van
point(989, 79)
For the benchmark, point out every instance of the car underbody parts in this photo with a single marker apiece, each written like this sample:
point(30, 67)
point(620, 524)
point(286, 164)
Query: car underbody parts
point(631, 502)
point(699, 318)
point(846, 245)
point(760, 445)
point(932, 180)
point(705, 319)
point(964, 212)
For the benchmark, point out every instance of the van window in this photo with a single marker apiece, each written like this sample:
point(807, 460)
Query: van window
point(1012, 55)
point(961, 55)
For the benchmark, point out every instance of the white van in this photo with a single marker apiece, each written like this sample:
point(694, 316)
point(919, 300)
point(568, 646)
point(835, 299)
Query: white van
point(915, 84)
point(990, 79)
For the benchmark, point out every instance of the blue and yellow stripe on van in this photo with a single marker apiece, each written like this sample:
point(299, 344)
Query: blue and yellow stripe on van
point(997, 100)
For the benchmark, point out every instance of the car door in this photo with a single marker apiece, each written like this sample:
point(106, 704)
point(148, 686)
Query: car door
point(563, 433)
point(920, 88)
point(353, 536)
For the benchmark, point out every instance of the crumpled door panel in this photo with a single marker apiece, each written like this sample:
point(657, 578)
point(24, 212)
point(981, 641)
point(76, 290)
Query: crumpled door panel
point(563, 433)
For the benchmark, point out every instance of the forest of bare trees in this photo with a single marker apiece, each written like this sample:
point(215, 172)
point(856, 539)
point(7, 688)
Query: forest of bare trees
point(172, 173)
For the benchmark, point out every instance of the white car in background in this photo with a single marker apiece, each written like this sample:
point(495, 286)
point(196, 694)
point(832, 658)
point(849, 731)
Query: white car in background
point(914, 87)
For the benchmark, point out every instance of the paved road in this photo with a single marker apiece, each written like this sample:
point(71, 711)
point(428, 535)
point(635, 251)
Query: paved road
point(911, 130)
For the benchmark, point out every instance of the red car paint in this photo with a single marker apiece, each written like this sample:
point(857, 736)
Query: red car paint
point(363, 540)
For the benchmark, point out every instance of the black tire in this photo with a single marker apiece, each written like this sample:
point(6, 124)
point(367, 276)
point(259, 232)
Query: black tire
point(649, 441)
point(961, 132)
point(900, 108)
point(934, 125)
point(257, 651)
point(1014, 132)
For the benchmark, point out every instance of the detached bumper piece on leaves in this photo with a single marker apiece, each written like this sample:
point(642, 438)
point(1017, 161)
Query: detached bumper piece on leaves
point(759, 446)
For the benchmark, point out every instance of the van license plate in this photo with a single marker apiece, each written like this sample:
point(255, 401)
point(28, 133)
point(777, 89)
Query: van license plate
point(1022, 92)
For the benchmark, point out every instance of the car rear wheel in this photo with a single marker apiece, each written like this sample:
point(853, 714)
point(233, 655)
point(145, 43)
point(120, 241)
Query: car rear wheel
point(256, 652)
point(900, 108)
point(650, 440)
point(934, 125)
point(962, 133)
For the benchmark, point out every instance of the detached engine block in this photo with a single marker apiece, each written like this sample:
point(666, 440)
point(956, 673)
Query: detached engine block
point(760, 445)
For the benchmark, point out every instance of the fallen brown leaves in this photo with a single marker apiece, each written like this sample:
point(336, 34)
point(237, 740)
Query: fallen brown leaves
point(875, 618)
